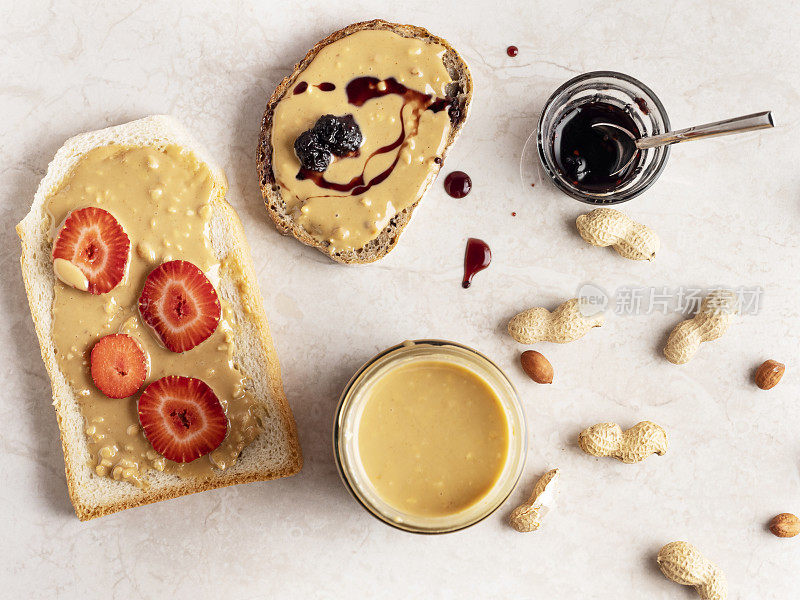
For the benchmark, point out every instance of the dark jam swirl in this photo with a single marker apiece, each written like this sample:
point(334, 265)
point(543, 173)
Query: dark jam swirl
point(360, 91)
point(325, 86)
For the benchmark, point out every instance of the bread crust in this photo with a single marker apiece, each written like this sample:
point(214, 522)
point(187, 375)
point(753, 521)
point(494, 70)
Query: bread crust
point(123, 495)
point(390, 235)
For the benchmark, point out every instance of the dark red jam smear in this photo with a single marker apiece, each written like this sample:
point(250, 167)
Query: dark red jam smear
point(458, 184)
point(512, 51)
point(325, 86)
point(477, 257)
point(588, 156)
point(361, 90)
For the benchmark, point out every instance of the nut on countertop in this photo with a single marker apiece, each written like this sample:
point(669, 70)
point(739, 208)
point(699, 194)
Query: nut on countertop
point(769, 374)
point(785, 525)
point(536, 366)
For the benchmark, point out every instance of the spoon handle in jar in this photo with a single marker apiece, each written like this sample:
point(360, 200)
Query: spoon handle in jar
point(762, 120)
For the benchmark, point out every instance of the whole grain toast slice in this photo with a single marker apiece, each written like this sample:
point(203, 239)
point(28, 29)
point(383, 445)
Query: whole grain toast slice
point(276, 451)
point(461, 92)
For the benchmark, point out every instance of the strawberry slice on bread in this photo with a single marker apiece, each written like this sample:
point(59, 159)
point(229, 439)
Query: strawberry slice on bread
point(92, 241)
point(180, 304)
point(119, 365)
point(182, 418)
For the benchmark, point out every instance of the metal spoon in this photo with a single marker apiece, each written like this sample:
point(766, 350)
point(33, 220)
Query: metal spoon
point(629, 144)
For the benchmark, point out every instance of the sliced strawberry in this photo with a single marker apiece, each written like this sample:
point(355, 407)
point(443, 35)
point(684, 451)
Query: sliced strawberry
point(94, 241)
point(182, 418)
point(180, 304)
point(119, 366)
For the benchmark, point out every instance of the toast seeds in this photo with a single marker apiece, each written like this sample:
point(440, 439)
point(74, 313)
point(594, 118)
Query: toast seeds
point(92, 240)
point(119, 365)
point(180, 304)
point(182, 418)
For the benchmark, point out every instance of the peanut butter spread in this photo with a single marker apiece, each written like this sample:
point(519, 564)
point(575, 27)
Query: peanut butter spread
point(404, 128)
point(161, 198)
point(433, 438)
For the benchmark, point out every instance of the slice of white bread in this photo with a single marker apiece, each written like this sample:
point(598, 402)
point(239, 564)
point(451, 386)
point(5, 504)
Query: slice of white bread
point(461, 92)
point(276, 451)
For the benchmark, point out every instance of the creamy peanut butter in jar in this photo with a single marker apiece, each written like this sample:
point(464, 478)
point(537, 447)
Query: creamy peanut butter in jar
point(430, 436)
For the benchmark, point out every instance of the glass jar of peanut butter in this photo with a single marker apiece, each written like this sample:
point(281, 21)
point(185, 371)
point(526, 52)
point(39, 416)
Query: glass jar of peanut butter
point(430, 436)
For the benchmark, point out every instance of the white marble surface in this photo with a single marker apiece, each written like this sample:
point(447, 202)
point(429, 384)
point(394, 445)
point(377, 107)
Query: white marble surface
point(727, 212)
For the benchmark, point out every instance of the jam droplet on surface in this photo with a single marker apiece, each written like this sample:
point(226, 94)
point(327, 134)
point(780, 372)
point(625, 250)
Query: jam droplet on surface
point(300, 87)
point(512, 51)
point(457, 184)
point(477, 257)
point(326, 86)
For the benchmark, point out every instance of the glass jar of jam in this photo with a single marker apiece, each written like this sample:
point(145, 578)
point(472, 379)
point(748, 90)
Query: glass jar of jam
point(586, 161)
